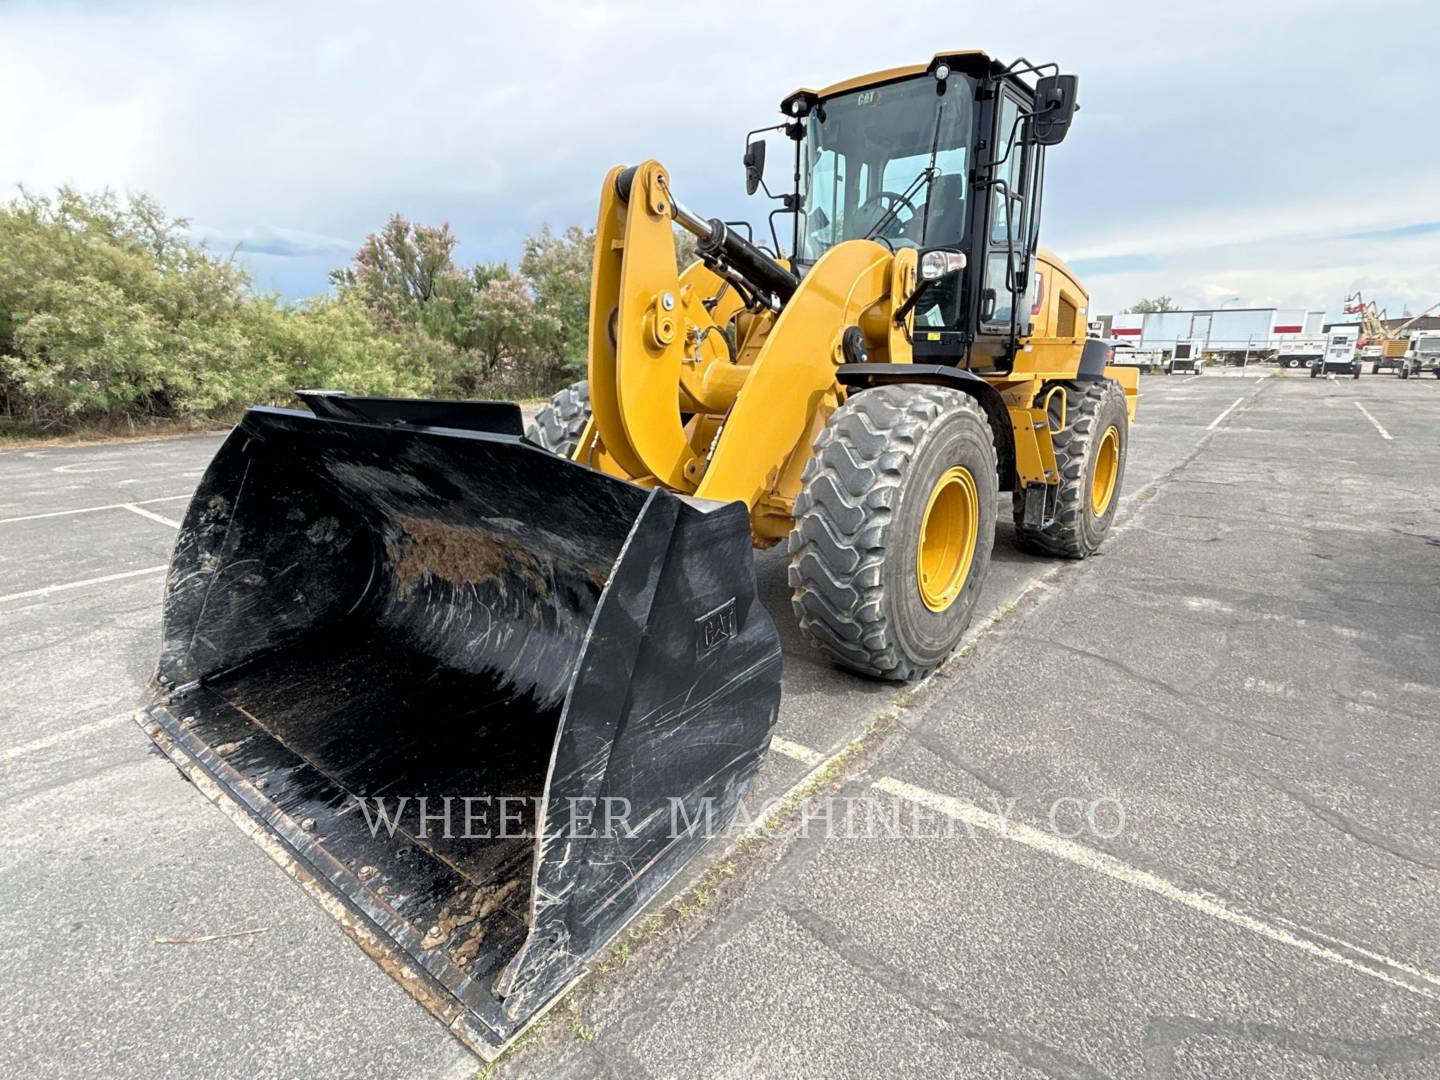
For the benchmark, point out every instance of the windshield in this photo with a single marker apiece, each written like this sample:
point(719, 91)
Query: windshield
point(868, 167)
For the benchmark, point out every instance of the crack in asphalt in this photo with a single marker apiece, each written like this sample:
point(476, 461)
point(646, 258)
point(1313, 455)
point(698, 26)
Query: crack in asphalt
point(921, 995)
point(1164, 1036)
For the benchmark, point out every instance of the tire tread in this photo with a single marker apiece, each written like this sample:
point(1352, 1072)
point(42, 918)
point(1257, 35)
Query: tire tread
point(850, 492)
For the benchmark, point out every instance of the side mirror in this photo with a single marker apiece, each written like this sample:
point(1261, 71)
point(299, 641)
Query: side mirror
point(754, 165)
point(1055, 105)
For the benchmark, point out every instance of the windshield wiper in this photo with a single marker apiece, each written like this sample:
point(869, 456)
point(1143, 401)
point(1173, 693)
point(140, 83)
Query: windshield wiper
point(923, 177)
point(930, 171)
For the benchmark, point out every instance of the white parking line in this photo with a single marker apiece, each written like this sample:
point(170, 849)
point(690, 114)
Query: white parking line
point(137, 509)
point(48, 589)
point(1282, 931)
point(796, 751)
point(804, 754)
point(93, 509)
point(1219, 419)
point(1215, 907)
point(1383, 433)
point(1192, 377)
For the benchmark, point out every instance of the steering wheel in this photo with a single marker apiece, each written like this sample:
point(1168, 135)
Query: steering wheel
point(882, 204)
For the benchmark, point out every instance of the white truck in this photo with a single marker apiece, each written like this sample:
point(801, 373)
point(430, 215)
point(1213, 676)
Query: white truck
point(1422, 354)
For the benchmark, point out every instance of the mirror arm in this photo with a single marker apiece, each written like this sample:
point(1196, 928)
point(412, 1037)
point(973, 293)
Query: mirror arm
point(1009, 144)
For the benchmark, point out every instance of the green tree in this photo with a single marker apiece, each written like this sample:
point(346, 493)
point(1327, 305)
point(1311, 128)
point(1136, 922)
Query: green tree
point(406, 275)
point(109, 311)
point(1145, 307)
point(684, 248)
point(557, 270)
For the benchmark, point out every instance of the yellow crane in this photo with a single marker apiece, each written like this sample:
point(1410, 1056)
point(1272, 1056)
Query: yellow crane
point(1374, 332)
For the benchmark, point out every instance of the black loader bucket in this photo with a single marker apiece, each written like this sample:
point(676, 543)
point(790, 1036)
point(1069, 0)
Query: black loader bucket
point(479, 701)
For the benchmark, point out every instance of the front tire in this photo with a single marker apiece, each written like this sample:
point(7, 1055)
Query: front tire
point(893, 529)
point(557, 427)
point(1091, 452)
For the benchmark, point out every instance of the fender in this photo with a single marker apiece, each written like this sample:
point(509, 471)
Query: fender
point(1093, 360)
point(864, 376)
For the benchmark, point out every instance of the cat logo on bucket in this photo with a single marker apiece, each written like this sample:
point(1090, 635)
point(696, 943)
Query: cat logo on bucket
point(716, 628)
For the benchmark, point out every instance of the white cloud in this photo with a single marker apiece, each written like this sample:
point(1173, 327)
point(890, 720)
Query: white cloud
point(1402, 273)
point(271, 120)
point(269, 240)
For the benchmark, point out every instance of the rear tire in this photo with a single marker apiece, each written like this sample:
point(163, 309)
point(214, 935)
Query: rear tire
point(1092, 411)
point(877, 583)
point(558, 426)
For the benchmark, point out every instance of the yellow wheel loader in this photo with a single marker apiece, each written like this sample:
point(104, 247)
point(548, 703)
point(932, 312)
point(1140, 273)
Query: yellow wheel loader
point(483, 693)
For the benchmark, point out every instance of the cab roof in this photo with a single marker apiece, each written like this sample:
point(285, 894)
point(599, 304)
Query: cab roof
point(968, 58)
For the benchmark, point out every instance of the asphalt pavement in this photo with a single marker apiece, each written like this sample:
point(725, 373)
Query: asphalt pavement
point(1172, 811)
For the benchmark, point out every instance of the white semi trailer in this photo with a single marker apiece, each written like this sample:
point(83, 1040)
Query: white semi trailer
point(1230, 335)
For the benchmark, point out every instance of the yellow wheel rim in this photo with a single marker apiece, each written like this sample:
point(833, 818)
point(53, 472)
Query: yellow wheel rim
point(1107, 468)
point(948, 533)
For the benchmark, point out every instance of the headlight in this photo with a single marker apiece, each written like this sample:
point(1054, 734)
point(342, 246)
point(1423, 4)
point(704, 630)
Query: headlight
point(940, 263)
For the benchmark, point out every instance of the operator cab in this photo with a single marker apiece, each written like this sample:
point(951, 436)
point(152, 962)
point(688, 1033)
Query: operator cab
point(944, 158)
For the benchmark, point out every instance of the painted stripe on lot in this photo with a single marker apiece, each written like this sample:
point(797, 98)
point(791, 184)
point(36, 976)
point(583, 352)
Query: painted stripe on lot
point(93, 509)
point(135, 508)
point(1383, 433)
point(31, 594)
point(1219, 419)
point(13, 752)
point(1374, 965)
point(1379, 967)
point(1386, 969)
point(796, 751)
point(805, 755)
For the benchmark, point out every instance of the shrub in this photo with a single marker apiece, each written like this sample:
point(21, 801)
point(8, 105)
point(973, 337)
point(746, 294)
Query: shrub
point(110, 312)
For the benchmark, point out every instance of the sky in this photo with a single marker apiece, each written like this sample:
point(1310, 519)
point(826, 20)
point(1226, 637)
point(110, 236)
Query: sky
point(1257, 153)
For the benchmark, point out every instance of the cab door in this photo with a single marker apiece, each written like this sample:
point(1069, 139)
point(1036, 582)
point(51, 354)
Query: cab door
point(1002, 308)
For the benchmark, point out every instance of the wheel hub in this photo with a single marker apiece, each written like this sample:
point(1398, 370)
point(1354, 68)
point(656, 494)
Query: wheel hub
point(948, 534)
point(1107, 467)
